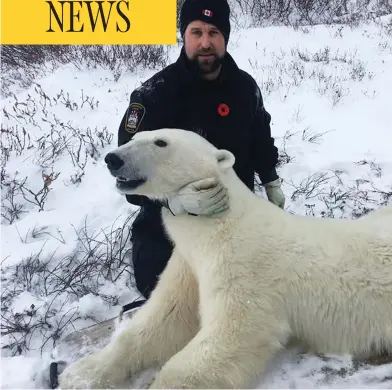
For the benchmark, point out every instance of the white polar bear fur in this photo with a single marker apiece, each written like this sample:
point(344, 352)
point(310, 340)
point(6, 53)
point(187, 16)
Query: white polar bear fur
point(242, 284)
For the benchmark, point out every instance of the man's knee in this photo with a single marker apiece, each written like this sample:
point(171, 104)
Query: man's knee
point(150, 254)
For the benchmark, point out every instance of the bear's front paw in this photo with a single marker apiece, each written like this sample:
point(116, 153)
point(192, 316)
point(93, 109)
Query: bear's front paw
point(93, 371)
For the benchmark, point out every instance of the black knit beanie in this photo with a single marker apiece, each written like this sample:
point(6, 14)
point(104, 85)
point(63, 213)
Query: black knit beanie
point(216, 12)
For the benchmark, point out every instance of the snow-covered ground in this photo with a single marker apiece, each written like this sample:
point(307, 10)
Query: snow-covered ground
point(328, 89)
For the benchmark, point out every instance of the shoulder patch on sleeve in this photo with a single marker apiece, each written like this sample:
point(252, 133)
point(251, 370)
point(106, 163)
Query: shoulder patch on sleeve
point(135, 115)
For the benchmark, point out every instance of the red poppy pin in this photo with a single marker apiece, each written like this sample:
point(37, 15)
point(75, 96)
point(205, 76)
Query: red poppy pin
point(223, 109)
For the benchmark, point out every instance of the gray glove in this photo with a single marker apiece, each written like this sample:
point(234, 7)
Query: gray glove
point(274, 193)
point(202, 197)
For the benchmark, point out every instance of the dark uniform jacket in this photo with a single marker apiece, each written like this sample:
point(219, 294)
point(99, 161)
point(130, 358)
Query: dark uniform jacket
point(228, 112)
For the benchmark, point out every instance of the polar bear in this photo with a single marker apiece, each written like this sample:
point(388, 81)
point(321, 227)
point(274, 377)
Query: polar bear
point(243, 284)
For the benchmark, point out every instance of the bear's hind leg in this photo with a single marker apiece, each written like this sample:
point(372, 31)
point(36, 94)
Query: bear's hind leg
point(217, 360)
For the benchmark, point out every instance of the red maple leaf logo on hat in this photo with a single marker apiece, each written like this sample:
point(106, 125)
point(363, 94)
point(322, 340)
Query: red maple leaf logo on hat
point(207, 12)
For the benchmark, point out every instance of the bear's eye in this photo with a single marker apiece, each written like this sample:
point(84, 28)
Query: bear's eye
point(161, 143)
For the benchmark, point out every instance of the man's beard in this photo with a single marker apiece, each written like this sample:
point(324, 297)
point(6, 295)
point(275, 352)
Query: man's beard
point(203, 66)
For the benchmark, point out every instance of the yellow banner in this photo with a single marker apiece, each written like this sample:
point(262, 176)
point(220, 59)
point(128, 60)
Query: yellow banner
point(77, 22)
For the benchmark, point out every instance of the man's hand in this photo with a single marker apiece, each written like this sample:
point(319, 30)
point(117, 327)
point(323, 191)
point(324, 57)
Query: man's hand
point(202, 197)
point(274, 193)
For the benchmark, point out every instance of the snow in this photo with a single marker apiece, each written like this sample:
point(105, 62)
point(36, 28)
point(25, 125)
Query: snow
point(332, 82)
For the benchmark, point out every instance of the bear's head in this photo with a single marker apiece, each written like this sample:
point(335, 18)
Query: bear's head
point(157, 163)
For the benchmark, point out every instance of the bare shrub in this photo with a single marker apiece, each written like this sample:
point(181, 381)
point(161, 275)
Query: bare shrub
point(23, 63)
point(284, 157)
point(118, 58)
point(312, 137)
point(11, 207)
point(55, 283)
point(265, 11)
point(54, 140)
point(14, 139)
point(330, 195)
point(16, 189)
point(311, 187)
point(298, 13)
point(38, 197)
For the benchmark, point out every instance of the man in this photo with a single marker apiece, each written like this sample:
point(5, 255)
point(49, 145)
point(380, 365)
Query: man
point(203, 91)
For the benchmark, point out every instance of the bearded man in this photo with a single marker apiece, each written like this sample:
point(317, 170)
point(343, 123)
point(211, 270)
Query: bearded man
point(203, 91)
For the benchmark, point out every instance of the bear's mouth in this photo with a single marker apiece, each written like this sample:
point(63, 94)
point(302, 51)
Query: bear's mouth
point(122, 183)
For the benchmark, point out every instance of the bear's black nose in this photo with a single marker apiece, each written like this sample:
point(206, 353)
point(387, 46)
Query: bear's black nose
point(113, 161)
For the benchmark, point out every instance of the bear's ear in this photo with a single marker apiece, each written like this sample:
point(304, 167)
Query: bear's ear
point(225, 159)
